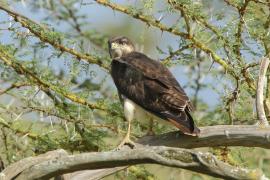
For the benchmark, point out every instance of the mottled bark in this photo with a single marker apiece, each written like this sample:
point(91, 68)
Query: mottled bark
point(259, 92)
point(173, 157)
point(211, 136)
point(58, 162)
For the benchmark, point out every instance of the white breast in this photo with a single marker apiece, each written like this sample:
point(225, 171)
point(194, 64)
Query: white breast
point(129, 109)
point(132, 110)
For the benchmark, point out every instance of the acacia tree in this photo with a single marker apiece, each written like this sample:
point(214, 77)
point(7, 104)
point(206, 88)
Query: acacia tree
point(56, 92)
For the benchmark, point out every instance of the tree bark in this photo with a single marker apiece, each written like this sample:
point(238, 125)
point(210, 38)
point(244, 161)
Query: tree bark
point(173, 157)
point(259, 92)
point(211, 136)
point(58, 162)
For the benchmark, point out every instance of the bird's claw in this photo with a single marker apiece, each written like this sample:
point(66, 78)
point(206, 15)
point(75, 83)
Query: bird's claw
point(126, 141)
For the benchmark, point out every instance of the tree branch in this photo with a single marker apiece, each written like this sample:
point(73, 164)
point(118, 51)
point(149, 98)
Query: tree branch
point(183, 13)
point(167, 59)
point(260, 89)
point(48, 36)
point(10, 61)
point(267, 96)
point(17, 130)
point(13, 86)
point(173, 157)
point(180, 7)
point(196, 43)
point(238, 35)
point(16, 168)
point(223, 135)
point(212, 136)
point(226, 135)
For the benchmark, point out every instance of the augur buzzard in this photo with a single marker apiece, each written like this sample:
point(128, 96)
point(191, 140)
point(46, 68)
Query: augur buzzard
point(147, 83)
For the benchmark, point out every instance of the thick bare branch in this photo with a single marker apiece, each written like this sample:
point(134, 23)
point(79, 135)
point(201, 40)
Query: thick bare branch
point(16, 168)
point(260, 89)
point(267, 96)
point(223, 135)
point(250, 136)
point(211, 136)
point(173, 157)
point(92, 174)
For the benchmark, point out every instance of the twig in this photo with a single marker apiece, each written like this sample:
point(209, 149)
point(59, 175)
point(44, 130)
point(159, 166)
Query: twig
point(238, 35)
point(200, 19)
point(14, 85)
point(16, 130)
point(231, 4)
point(183, 13)
point(20, 69)
point(42, 33)
point(260, 88)
point(167, 59)
point(196, 43)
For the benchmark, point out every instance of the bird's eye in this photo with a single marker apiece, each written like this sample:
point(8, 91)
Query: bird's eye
point(123, 41)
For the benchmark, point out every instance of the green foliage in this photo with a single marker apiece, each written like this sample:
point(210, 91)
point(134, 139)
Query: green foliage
point(136, 172)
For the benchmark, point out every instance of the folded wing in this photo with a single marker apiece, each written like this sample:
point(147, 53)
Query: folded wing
point(152, 86)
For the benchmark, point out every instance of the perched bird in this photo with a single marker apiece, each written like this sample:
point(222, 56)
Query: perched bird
point(144, 82)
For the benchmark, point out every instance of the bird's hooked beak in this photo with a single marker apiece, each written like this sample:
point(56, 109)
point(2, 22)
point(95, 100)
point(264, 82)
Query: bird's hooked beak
point(114, 46)
point(120, 47)
point(115, 50)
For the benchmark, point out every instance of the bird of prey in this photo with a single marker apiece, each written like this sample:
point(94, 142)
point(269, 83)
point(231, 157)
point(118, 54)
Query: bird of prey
point(144, 82)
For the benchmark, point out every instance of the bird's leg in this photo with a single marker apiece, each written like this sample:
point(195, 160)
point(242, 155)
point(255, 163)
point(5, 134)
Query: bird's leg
point(127, 140)
point(129, 109)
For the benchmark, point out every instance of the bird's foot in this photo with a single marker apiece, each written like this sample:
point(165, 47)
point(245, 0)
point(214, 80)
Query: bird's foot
point(128, 142)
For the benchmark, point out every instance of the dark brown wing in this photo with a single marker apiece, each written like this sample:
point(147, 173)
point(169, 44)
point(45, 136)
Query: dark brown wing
point(152, 86)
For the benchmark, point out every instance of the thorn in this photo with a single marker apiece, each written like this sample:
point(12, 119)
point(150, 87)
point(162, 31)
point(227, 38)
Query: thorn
point(74, 45)
point(25, 135)
point(160, 18)
point(66, 127)
point(10, 21)
point(211, 66)
point(18, 116)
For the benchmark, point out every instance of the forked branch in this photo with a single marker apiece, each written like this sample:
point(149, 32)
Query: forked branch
point(46, 167)
point(260, 89)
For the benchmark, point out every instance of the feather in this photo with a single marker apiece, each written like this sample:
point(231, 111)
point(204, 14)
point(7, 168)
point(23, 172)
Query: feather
point(152, 86)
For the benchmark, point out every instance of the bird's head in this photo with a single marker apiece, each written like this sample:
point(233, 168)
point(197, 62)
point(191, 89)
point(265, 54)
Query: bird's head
point(120, 46)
